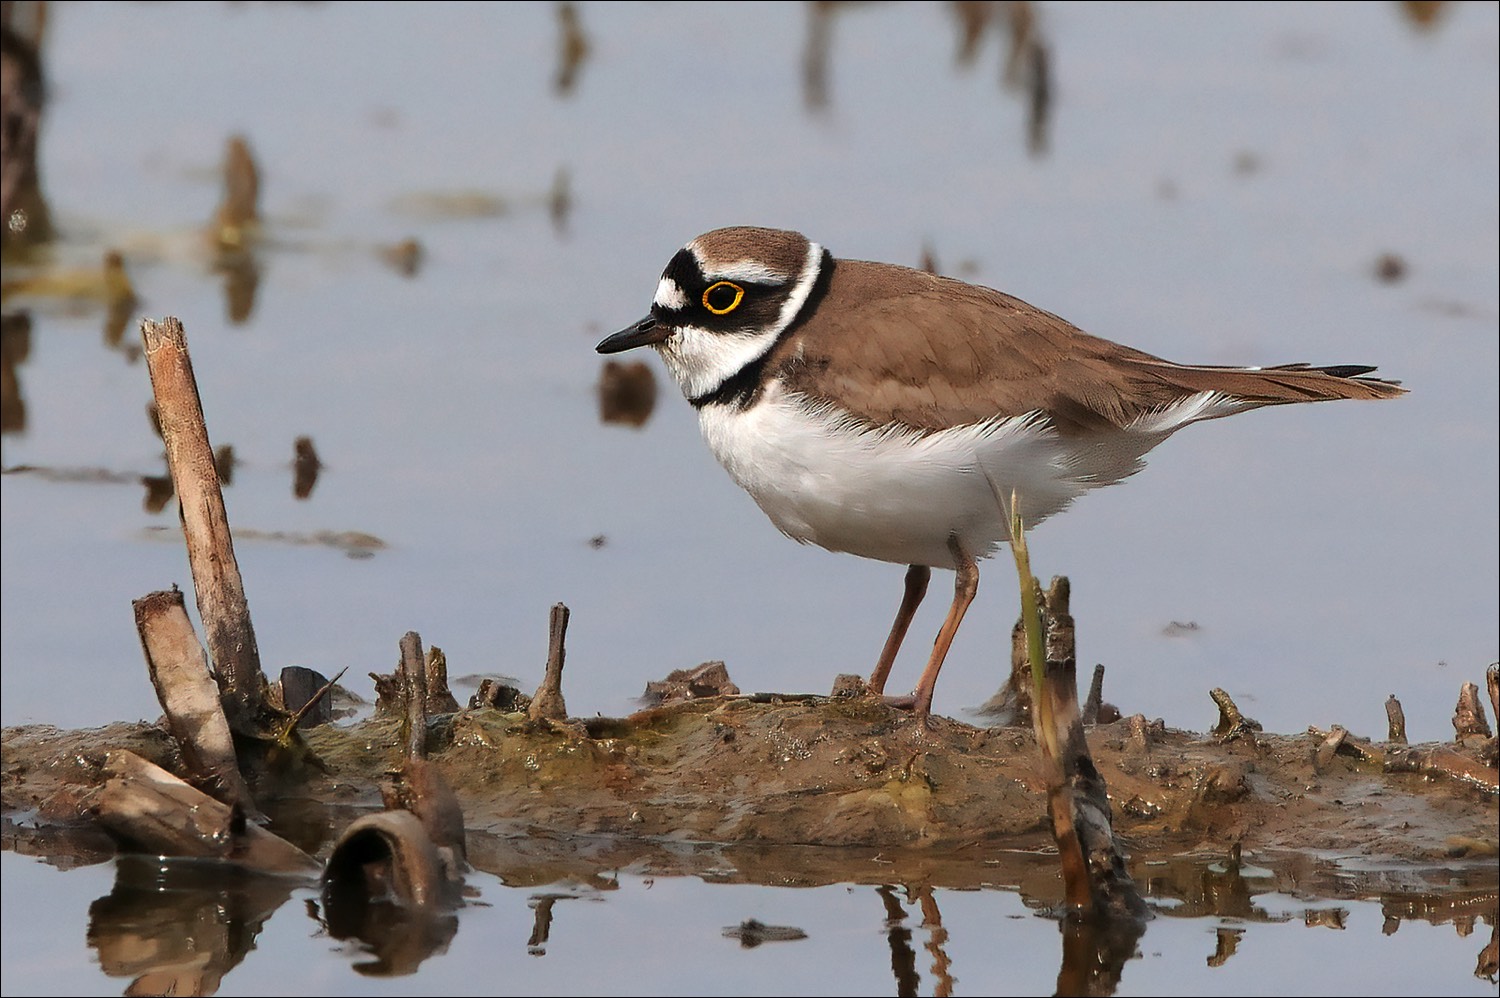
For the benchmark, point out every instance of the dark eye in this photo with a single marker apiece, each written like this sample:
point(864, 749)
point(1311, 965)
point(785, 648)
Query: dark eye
point(723, 297)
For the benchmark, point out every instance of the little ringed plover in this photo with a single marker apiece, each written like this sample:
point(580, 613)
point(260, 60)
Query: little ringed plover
point(892, 414)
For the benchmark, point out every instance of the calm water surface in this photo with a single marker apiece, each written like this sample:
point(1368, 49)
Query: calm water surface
point(631, 933)
point(1213, 183)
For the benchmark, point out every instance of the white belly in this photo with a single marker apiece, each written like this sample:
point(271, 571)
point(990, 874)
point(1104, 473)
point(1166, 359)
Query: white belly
point(897, 495)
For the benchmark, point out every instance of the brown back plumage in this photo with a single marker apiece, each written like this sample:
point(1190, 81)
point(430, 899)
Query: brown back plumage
point(895, 344)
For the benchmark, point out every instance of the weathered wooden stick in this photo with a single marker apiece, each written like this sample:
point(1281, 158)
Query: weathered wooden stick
point(1082, 802)
point(1232, 724)
point(1011, 703)
point(154, 810)
point(1395, 721)
point(1492, 680)
point(1054, 719)
point(1095, 698)
point(393, 691)
point(711, 679)
point(1448, 761)
point(1019, 684)
point(1469, 721)
point(1330, 745)
point(440, 698)
point(1140, 733)
point(1338, 741)
point(216, 575)
point(499, 695)
point(421, 788)
point(548, 702)
point(188, 695)
point(414, 692)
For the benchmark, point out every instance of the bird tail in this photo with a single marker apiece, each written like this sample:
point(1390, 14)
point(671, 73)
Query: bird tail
point(1286, 383)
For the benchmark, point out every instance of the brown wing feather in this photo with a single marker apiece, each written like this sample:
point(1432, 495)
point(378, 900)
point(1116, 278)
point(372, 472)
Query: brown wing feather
point(929, 352)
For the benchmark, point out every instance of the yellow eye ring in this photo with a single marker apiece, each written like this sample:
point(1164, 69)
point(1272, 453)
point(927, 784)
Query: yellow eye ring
point(713, 290)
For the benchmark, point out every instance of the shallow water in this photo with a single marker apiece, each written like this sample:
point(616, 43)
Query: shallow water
point(632, 932)
point(1216, 185)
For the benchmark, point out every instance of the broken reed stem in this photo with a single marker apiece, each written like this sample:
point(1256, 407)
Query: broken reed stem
point(1076, 887)
point(1466, 767)
point(1096, 883)
point(1232, 724)
point(440, 699)
point(149, 807)
point(1395, 721)
point(1329, 747)
point(205, 524)
point(189, 697)
point(1469, 768)
point(548, 703)
point(1096, 696)
point(1017, 687)
point(1058, 703)
point(1492, 680)
point(1468, 716)
point(414, 691)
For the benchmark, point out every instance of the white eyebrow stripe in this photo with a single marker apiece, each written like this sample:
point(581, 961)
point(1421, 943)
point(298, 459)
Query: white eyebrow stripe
point(669, 295)
point(749, 270)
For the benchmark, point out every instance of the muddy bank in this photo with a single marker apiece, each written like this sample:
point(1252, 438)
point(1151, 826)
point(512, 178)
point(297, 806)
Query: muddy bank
point(704, 778)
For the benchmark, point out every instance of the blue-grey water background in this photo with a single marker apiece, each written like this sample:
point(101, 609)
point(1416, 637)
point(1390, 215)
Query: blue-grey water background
point(1217, 185)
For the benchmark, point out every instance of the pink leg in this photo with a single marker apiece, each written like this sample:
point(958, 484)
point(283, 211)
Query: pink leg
point(916, 587)
point(964, 588)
